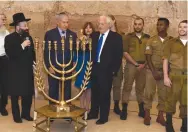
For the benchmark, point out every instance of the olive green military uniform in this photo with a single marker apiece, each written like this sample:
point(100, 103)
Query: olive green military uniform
point(155, 48)
point(176, 53)
point(117, 80)
point(136, 49)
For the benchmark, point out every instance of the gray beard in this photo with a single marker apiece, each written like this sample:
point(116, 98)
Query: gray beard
point(3, 31)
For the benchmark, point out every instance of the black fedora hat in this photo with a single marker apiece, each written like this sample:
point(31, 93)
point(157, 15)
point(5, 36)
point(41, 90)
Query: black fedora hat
point(18, 17)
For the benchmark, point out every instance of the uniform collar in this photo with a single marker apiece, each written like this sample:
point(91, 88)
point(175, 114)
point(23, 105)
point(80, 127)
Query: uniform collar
point(142, 34)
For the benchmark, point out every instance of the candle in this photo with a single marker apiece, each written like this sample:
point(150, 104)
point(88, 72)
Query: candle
point(55, 45)
point(49, 45)
point(77, 44)
point(70, 41)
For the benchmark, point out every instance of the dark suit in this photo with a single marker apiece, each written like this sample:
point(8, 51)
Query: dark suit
point(54, 35)
point(103, 72)
point(20, 73)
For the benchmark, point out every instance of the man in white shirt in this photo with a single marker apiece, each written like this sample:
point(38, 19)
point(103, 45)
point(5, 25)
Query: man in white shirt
point(3, 66)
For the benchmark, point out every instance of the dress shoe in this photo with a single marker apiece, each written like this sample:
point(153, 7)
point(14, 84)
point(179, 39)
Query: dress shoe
point(90, 117)
point(100, 122)
point(28, 118)
point(18, 120)
point(4, 112)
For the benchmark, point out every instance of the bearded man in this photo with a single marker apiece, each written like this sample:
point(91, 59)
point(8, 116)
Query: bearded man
point(134, 47)
point(19, 48)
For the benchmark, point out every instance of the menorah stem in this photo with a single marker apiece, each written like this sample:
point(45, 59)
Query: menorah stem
point(62, 90)
point(90, 55)
point(63, 81)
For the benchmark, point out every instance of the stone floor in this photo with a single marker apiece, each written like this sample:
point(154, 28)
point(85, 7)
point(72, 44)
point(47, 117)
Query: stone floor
point(132, 124)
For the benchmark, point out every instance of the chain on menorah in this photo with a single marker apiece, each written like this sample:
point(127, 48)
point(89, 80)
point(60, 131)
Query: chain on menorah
point(62, 105)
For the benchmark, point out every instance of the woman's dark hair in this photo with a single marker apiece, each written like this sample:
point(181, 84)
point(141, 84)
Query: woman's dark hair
point(85, 26)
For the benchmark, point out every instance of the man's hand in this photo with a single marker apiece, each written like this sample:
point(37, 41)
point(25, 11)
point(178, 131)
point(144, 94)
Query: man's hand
point(167, 81)
point(51, 70)
point(156, 75)
point(141, 66)
point(26, 43)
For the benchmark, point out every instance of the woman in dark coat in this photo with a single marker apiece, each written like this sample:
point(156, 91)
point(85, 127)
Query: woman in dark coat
point(20, 50)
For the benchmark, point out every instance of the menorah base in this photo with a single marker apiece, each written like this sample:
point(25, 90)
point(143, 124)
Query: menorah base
point(60, 108)
point(44, 115)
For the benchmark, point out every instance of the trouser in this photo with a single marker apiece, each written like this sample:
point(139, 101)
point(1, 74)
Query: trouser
point(117, 80)
point(54, 85)
point(3, 81)
point(26, 102)
point(177, 92)
point(3, 101)
point(150, 90)
point(100, 92)
point(132, 74)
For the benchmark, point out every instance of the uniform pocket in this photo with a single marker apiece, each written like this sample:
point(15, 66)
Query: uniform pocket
point(175, 56)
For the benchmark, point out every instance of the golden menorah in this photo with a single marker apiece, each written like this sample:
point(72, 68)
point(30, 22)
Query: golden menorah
point(62, 108)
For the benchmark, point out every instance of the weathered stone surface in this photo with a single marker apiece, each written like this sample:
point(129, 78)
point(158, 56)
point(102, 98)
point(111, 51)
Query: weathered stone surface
point(42, 13)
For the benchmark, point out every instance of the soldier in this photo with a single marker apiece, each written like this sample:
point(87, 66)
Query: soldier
point(175, 54)
point(116, 79)
point(134, 48)
point(154, 50)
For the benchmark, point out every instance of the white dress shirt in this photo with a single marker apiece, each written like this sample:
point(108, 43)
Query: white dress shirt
point(61, 32)
point(2, 43)
point(103, 41)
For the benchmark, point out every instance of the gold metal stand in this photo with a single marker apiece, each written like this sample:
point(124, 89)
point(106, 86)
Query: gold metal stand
point(61, 108)
point(46, 113)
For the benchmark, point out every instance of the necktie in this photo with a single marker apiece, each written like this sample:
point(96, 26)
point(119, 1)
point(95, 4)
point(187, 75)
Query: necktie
point(63, 34)
point(99, 47)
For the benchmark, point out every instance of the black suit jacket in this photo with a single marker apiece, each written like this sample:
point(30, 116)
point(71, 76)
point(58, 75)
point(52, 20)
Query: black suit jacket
point(112, 52)
point(54, 35)
point(20, 65)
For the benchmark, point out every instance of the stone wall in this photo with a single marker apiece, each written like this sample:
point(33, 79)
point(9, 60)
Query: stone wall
point(42, 13)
